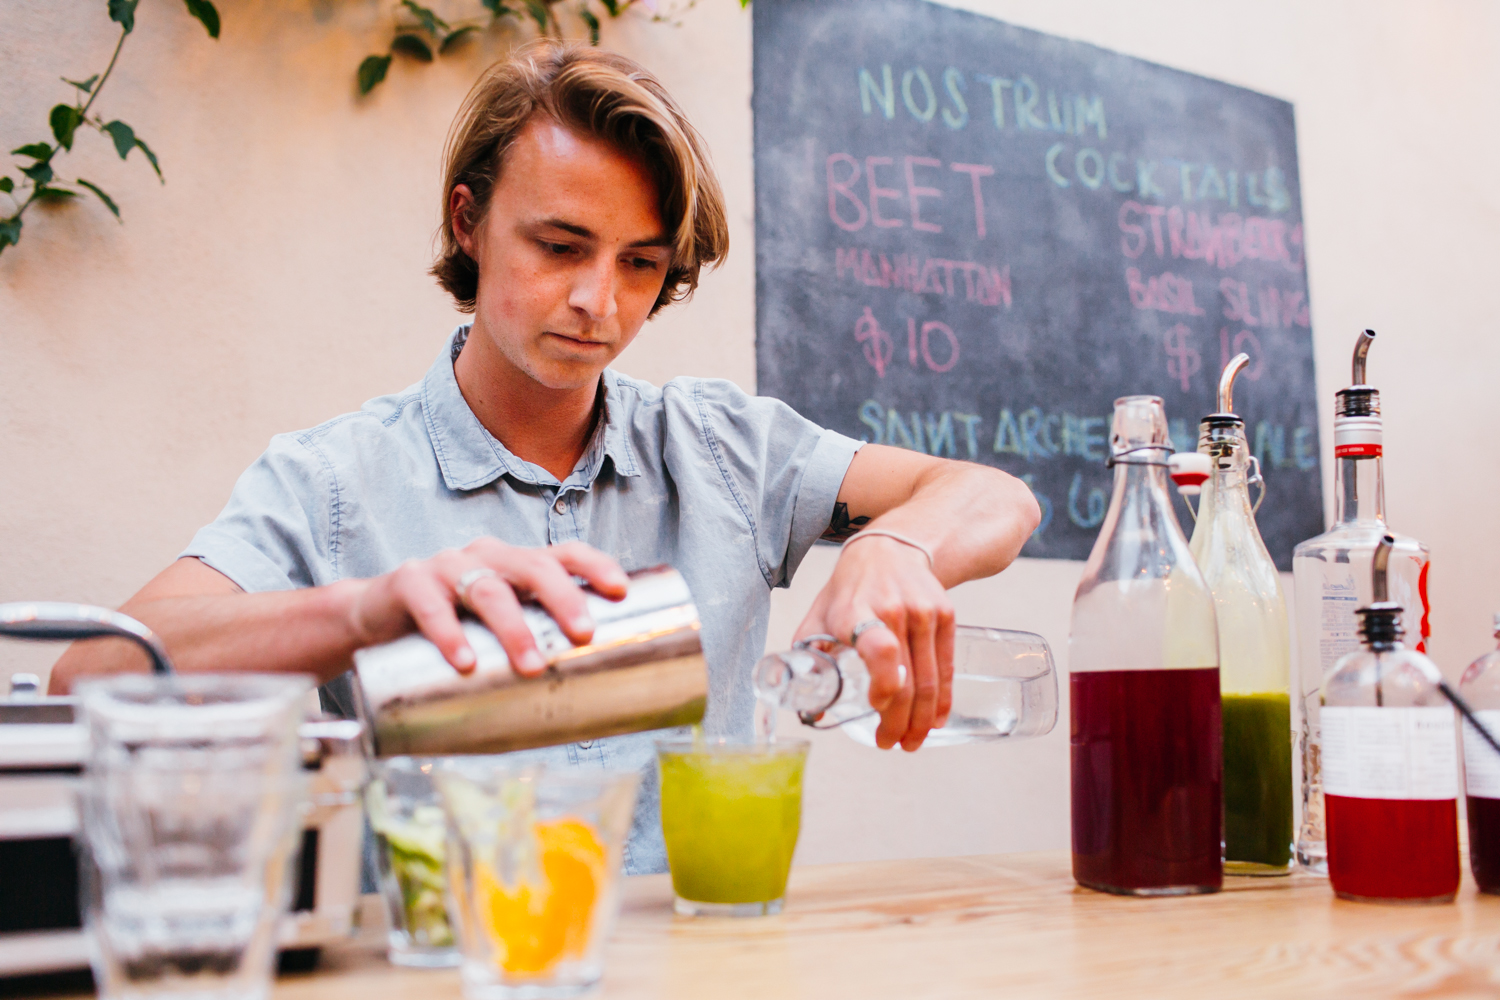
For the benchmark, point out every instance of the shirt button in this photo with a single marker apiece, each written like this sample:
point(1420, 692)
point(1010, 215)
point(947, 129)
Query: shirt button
point(585, 744)
point(561, 506)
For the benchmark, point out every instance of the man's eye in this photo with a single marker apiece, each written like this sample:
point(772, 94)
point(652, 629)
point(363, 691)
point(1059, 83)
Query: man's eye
point(644, 264)
point(559, 248)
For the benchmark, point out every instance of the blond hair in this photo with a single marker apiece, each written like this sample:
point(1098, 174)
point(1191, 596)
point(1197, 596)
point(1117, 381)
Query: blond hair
point(598, 94)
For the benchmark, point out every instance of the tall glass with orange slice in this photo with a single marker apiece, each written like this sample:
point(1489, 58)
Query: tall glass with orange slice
point(534, 869)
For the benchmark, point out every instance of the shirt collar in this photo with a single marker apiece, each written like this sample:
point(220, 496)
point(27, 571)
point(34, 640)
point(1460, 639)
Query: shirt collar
point(471, 457)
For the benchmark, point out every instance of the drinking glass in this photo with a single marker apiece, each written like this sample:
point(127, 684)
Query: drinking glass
point(534, 867)
point(192, 794)
point(406, 814)
point(730, 812)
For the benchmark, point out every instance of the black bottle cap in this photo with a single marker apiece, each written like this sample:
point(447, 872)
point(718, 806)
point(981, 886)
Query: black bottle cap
point(1380, 625)
point(1357, 401)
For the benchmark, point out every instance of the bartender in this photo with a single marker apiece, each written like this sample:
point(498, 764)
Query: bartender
point(578, 202)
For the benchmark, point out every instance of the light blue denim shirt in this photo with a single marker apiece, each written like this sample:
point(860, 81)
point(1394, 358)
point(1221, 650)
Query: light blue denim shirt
point(730, 489)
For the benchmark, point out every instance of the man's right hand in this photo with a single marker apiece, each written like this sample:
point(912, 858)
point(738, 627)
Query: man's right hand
point(423, 595)
point(209, 624)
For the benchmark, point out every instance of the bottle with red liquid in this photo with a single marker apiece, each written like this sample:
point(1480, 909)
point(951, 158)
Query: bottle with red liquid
point(1146, 747)
point(1480, 687)
point(1390, 764)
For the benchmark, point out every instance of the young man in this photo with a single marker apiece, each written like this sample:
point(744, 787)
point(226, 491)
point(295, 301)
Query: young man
point(578, 201)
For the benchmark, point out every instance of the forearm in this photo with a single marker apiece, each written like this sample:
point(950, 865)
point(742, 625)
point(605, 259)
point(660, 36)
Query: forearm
point(307, 631)
point(973, 519)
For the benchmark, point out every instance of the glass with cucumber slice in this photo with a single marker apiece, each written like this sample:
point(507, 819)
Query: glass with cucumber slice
point(409, 825)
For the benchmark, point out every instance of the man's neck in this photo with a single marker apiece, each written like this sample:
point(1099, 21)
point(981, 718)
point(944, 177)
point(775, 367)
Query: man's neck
point(544, 426)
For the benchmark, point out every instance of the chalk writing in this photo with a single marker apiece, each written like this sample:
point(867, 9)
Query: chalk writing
point(1183, 360)
point(979, 283)
point(877, 343)
point(1164, 293)
point(851, 212)
point(1018, 103)
point(1277, 308)
point(1195, 236)
point(1243, 341)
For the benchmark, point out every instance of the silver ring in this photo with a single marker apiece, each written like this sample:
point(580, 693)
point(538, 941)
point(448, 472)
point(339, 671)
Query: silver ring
point(864, 627)
point(468, 580)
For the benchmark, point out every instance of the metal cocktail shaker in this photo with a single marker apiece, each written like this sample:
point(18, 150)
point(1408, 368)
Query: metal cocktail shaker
point(643, 670)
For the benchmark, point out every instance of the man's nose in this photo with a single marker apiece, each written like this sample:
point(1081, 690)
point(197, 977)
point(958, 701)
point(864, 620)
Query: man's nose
point(594, 290)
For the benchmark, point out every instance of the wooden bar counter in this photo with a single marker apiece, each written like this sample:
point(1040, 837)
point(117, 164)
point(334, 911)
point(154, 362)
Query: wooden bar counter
point(1008, 925)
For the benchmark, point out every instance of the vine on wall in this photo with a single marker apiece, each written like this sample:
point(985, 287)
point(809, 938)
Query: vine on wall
point(38, 181)
point(420, 34)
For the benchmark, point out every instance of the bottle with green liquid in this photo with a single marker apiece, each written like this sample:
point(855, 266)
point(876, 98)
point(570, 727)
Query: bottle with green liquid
point(1254, 646)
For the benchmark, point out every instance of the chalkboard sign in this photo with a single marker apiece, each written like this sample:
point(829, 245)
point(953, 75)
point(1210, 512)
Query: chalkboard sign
point(971, 238)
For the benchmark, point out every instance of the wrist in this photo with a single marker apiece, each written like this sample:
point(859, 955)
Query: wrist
point(344, 605)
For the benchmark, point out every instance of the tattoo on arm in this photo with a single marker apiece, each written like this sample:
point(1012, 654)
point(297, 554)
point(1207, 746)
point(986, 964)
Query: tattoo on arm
point(842, 527)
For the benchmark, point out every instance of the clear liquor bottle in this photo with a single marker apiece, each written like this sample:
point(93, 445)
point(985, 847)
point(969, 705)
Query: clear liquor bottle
point(1390, 763)
point(1004, 688)
point(1331, 578)
point(1145, 744)
point(1254, 647)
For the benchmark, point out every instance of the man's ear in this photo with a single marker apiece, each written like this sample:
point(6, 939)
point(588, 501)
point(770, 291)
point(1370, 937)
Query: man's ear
point(461, 211)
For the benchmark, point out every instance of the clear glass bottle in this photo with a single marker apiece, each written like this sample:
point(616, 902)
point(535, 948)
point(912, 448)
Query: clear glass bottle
point(1480, 687)
point(1144, 685)
point(1254, 648)
point(1331, 578)
point(1390, 763)
point(1004, 687)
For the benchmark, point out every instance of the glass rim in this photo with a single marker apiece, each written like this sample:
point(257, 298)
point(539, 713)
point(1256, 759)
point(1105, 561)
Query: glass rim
point(250, 686)
point(731, 745)
point(1140, 398)
point(479, 769)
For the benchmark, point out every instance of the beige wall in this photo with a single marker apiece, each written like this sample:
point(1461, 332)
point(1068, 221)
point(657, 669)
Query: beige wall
point(277, 279)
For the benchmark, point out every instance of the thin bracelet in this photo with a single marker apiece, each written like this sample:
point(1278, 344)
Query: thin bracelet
point(883, 533)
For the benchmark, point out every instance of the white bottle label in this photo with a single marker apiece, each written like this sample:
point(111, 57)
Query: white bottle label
point(1337, 626)
point(1389, 753)
point(1481, 763)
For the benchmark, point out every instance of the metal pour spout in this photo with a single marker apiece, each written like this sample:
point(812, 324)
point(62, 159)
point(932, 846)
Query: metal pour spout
point(1379, 567)
point(1226, 381)
point(1361, 355)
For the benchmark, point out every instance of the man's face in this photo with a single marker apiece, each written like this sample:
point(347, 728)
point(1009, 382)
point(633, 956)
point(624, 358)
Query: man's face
point(571, 255)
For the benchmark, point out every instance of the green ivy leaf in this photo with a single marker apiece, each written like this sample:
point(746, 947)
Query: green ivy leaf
point(39, 151)
point(86, 86)
point(744, 4)
point(7, 185)
point(123, 136)
point(109, 202)
point(412, 46)
point(54, 193)
point(152, 157)
point(40, 172)
point(372, 71)
point(455, 37)
point(431, 23)
point(593, 23)
point(496, 8)
point(613, 6)
point(10, 231)
point(64, 120)
point(206, 12)
point(122, 12)
point(540, 13)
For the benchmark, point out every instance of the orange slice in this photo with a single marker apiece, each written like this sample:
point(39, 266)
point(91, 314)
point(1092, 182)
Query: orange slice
point(532, 926)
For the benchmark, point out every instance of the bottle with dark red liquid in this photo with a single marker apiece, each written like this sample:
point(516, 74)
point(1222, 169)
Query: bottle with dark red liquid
point(1146, 745)
point(1480, 687)
point(1390, 765)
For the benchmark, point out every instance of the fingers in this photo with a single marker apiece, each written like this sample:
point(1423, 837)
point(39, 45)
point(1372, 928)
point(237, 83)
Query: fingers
point(601, 571)
point(890, 692)
point(920, 629)
point(429, 601)
point(495, 602)
point(944, 641)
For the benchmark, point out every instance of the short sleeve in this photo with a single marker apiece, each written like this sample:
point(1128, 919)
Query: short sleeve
point(784, 469)
point(277, 531)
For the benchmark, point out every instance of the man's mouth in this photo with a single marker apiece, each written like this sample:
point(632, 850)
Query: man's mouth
point(581, 341)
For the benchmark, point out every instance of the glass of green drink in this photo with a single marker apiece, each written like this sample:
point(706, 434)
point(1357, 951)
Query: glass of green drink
point(730, 812)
